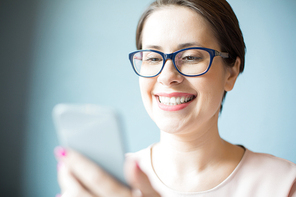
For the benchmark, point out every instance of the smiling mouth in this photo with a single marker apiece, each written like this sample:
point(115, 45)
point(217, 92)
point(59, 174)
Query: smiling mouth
point(175, 100)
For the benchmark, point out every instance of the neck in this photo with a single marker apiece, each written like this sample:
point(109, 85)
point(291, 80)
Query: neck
point(194, 149)
point(195, 160)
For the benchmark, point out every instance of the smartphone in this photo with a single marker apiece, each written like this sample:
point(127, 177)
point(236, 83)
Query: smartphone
point(94, 131)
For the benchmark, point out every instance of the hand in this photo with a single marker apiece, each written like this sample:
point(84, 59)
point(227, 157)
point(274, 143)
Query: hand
point(80, 177)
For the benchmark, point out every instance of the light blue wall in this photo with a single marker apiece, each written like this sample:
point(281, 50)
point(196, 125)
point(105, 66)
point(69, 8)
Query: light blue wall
point(80, 55)
point(259, 112)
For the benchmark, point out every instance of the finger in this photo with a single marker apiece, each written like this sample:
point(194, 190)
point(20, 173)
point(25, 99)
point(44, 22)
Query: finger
point(94, 178)
point(70, 186)
point(139, 180)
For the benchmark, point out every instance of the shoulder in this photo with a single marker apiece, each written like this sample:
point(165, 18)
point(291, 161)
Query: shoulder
point(140, 155)
point(265, 171)
point(144, 159)
point(269, 163)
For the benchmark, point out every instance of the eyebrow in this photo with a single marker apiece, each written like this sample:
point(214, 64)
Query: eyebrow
point(153, 47)
point(189, 44)
point(180, 46)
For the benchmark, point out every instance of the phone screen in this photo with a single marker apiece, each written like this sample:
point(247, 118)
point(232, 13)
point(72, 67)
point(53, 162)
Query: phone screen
point(95, 132)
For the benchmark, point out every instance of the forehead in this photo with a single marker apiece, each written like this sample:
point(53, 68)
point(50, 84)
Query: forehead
point(172, 26)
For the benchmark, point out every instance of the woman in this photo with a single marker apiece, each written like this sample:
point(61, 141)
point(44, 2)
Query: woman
point(190, 54)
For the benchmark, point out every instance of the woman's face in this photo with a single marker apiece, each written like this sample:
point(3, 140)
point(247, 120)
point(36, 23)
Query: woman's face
point(168, 30)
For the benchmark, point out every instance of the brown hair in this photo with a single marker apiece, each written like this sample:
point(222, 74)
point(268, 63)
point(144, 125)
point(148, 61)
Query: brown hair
point(220, 16)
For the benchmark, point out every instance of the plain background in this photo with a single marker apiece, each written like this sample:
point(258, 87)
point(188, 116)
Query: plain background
point(77, 51)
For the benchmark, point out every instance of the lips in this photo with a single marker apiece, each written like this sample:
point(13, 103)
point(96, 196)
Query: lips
point(174, 101)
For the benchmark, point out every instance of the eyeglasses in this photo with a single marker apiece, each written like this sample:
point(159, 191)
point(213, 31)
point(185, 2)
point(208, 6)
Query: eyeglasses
point(190, 62)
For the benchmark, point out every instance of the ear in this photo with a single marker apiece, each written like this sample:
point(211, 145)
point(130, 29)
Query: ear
point(231, 76)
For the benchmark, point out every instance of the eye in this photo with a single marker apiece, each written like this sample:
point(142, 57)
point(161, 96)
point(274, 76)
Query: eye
point(152, 58)
point(191, 58)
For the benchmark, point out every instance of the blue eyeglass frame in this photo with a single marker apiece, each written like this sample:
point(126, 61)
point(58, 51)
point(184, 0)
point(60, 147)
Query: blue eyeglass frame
point(213, 53)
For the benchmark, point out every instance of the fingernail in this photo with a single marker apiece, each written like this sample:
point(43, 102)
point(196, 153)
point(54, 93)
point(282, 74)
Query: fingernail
point(60, 151)
point(60, 165)
point(58, 195)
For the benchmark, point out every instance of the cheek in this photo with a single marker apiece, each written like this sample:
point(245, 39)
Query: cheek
point(212, 89)
point(146, 88)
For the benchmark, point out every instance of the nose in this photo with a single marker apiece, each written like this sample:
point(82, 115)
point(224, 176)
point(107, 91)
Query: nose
point(169, 75)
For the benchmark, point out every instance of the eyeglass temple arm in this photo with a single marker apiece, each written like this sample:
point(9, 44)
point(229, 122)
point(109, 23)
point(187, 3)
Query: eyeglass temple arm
point(222, 54)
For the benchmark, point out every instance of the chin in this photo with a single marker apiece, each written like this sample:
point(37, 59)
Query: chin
point(171, 125)
point(169, 129)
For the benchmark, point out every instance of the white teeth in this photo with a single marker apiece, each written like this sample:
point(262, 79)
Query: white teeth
point(166, 100)
point(182, 99)
point(174, 100)
point(178, 100)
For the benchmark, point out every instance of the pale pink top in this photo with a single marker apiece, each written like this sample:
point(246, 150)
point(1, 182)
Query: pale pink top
point(257, 175)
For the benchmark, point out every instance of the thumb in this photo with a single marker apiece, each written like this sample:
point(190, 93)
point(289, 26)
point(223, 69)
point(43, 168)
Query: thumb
point(138, 180)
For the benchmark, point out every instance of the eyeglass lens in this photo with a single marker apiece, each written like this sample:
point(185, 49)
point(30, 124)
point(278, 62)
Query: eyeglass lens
point(188, 62)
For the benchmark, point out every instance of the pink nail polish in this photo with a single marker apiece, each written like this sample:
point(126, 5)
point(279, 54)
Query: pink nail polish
point(60, 151)
point(58, 195)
